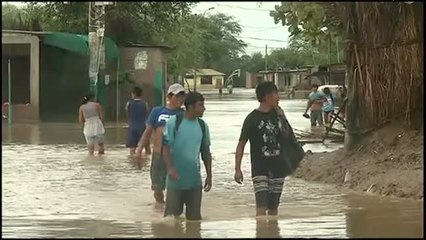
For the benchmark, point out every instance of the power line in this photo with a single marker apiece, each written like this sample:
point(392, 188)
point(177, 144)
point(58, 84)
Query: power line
point(265, 39)
point(262, 28)
point(259, 47)
point(243, 8)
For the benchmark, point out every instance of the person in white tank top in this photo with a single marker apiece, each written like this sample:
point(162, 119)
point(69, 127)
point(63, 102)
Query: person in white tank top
point(91, 116)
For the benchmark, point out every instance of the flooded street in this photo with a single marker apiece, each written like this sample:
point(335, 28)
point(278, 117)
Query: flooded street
point(51, 188)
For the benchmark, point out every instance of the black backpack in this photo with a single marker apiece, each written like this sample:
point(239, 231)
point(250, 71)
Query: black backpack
point(293, 152)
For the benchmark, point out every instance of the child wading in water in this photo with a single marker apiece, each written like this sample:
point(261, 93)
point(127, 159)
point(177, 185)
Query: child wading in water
point(137, 110)
point(91, 116)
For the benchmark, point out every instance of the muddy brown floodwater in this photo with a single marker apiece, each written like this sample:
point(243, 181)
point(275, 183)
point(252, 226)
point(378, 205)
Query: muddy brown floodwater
point(51, 188)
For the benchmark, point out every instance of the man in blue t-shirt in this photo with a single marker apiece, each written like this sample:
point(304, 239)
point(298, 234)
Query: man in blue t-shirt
point(183, 143)
point(155, 124)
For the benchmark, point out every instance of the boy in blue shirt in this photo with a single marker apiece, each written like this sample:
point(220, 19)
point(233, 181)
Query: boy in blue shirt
point(154, 126)
point(185, 137)
point(137, 110)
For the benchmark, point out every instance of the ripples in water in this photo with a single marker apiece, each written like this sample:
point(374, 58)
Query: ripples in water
point(51, 188)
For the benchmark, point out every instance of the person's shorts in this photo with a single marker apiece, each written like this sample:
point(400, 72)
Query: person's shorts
point(316, 116)
point(133, 137)
point(191, 198)
point(267, 191)
point(158, 172)
point(92, 140)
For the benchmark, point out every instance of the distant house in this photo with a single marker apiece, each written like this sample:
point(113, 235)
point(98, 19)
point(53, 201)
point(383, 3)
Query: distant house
point(204, 79)
point(333, 74)
point(288, 79)
point(252, 79)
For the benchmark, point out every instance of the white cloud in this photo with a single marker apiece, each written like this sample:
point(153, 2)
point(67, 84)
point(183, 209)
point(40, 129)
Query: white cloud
point(255, 21)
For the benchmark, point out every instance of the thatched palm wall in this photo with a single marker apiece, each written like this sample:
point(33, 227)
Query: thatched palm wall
point(385, 63)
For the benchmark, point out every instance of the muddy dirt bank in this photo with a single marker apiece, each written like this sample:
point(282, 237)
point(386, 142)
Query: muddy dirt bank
point(389, 163)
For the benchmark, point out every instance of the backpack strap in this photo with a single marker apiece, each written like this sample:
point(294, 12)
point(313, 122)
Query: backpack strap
point(204, 149)
point(179, 118)
point(203, 130)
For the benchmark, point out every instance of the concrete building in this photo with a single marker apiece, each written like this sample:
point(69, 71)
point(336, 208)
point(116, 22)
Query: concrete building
point(49, 74)
point(23, 51)
point(141, 65)
point(333, 74)
point(252, 79)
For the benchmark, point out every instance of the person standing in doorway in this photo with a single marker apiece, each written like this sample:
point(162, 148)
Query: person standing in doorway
point(91, 117)
point(154, 126)
point(328, 105)
point(185, 137)
point(263, 128)
point(315, 101)
point(137, 110)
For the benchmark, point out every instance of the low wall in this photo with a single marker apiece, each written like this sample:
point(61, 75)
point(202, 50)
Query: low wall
point(21, 113)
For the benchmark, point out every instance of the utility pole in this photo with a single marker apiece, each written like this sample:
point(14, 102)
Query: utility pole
point(329, 48)
point(96, 44)
point(196, 52)
point(337, 51)
point(266, 57)
point(329, 58)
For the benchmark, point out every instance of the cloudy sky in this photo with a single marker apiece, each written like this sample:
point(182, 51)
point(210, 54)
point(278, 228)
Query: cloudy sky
point(258, 27)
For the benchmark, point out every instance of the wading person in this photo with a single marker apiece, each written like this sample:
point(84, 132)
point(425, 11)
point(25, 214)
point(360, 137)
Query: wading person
point(91, 116)
point(186, 136)
point(154, 126)
point(315, 101)
point(137, 110)
point(342, 94)
point(274, 150)
point(328, 105)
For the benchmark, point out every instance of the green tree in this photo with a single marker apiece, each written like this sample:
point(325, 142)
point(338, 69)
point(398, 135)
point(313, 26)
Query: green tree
point(125, 22)
point(16, 18)
point(314, 21)
point(205, 42)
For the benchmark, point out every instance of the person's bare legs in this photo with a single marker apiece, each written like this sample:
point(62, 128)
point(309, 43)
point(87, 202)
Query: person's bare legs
point(326, 118)
point(260, 211)
point(91, 149)
point(159, 196)
point(101, 149)
point(272, 212)
point(148, 150)
point(132, 151)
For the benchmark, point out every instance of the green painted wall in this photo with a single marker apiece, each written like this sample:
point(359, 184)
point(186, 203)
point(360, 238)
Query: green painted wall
point(63, 82)
point(158, 87)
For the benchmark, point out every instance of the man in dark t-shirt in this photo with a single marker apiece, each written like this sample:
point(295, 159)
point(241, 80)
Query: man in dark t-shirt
point(263, 128)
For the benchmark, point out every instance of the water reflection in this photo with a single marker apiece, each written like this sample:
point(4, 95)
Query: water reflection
point(51, 188)
point(267, 228)
point(375, 217)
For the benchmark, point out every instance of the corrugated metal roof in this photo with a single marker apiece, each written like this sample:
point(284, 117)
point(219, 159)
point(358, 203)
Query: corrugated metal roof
point(76, 43)
point(285, 71)
point(130, 44)
point(24, 32)
point(206, 72)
